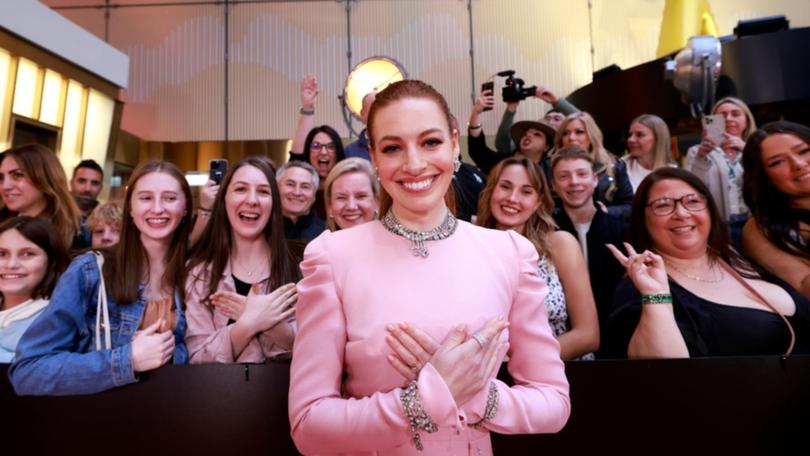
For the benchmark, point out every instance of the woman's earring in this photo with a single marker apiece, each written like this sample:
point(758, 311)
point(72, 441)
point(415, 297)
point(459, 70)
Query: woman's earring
point(456, 165)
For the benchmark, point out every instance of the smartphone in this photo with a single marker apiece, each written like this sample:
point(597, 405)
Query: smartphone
point(217, 169)
point(713, 127)
point(489, 85)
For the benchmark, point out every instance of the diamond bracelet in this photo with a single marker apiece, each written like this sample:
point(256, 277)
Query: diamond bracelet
point(417, 417)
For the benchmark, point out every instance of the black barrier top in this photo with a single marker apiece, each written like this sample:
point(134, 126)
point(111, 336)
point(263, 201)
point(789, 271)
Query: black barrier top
point(745, 405)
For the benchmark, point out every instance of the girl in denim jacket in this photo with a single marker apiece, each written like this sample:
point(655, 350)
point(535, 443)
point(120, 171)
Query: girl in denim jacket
point(74, 346)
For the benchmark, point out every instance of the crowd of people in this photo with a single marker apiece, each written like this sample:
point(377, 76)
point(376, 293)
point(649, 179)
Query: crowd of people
point(400, 279)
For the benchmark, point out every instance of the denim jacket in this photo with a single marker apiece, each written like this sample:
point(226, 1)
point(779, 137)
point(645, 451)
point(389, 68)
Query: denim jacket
point(57, 355)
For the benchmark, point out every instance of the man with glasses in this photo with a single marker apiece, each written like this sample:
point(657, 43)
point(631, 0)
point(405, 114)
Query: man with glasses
point(575, 180)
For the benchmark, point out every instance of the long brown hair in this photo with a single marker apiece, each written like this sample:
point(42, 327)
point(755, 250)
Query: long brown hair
point(408, 88)
point(125, 270)
point(770, 208)
point(540, 224)
point(45, 172)
point(41, 232)
point(215, 244)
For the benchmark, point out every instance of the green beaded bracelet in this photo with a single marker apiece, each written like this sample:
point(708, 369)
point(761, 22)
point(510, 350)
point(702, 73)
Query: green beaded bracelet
point(657, 298)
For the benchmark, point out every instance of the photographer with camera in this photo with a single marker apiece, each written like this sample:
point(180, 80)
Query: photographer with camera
point(534, 139)
point(514, 93)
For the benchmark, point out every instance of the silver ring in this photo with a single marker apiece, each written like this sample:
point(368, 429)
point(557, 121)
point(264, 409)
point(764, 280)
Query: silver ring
point(480, 339)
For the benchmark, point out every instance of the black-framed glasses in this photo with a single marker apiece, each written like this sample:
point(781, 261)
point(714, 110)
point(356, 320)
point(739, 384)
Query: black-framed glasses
point(693, 202)
point(316, 146)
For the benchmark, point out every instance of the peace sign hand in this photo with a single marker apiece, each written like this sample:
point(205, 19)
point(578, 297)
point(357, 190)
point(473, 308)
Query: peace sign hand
point(645, 269)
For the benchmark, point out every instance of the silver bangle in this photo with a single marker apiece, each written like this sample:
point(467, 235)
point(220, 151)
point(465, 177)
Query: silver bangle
point(493, 398)
point(417, 417)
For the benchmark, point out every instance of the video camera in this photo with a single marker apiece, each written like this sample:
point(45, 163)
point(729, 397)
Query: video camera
point(513, 89)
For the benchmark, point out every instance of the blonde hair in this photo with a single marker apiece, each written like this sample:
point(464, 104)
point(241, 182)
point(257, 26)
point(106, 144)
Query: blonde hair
point(107, 213)
point(596, 149)
point(751, 123)
point(662, 155)
point(346, 166)
point(540, 224)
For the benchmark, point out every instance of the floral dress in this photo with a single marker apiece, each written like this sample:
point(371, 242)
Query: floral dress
point(555, 301)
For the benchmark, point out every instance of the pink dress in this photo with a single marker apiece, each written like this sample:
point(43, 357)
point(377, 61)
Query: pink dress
point(357, 281)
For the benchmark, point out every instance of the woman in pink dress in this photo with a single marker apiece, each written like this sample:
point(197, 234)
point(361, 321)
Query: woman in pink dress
point(475, 290)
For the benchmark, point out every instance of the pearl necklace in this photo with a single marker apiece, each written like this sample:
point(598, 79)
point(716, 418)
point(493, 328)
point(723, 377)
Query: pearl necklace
point(699, 279)
point(418, 238)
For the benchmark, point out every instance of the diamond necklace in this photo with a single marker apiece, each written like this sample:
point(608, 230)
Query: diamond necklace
point(418, 238)
point(699, 279)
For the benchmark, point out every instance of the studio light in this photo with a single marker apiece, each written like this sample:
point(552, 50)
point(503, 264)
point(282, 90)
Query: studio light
point(372, 74)
point(694, 71)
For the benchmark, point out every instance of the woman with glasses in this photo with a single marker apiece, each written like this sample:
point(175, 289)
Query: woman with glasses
point(319, 146)
point(688, 293)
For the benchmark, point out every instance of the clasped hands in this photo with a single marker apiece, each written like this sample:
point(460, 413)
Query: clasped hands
point(261, 311)
point(465, 362)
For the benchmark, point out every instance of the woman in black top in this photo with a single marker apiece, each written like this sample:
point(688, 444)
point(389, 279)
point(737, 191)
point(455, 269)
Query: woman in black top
point(688, 293)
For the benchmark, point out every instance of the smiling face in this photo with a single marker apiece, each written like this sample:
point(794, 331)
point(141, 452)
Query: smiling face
point(575, 182)
point(786, 161)
point(248, 202)
point(640, 140)
point(683, 233)
point(352, 200)
point(736, 122)
point(157, 207)
point(514, 199)
point(575, 133)
point(413, 152)
point(23, 265)
point(297, 192)
point(323, 153)
point(19, 193)
point(85, 186)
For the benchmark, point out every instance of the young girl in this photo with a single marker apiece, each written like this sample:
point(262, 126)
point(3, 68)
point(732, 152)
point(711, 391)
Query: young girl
point(241, 256)
point(31, 259)
point(79, 345)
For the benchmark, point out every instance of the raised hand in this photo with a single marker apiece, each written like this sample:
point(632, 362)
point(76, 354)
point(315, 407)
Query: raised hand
point(732, 145)
point(309, 92)
point(152, 347)
point(546, 95)
point(485, 99)
point(208, 194)
point(646, 269)
point(706, 146)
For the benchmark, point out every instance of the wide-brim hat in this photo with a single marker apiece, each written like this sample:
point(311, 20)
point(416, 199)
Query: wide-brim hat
point(519, 129)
